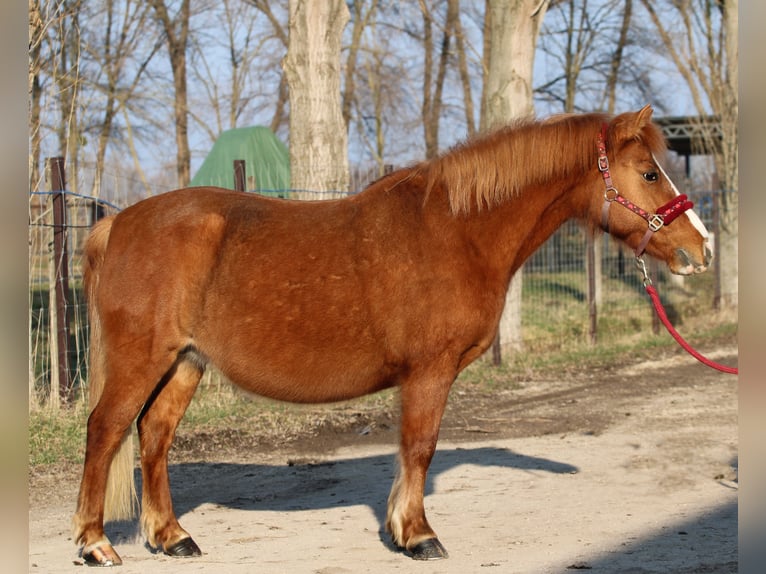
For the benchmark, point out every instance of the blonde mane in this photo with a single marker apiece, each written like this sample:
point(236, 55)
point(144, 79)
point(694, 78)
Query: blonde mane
point(492, 168)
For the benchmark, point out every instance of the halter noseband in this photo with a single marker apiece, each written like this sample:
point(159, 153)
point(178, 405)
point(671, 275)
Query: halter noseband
point(665, 214)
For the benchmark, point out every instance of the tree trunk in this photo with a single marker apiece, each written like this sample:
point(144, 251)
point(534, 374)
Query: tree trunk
point(361, 20)
point(318, 137)
point(465, 77)
point(728, 163)
point(513, 27)
point(67, 80)
point(36, 31)
point(110, 109)
point(433, 89)
point(430, 128)
point(177, 33)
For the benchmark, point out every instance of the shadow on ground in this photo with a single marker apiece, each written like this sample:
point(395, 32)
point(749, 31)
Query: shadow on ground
point(685, 542)
point(307, 484)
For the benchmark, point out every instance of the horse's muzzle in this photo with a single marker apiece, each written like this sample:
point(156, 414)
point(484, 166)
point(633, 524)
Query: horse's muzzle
point(689, 265)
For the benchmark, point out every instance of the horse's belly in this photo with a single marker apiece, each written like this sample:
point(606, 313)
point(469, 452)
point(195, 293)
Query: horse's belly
point(310, 378)
point(314, 389)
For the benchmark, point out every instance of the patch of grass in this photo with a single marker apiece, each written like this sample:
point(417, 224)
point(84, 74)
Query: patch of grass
point(555, 313)
point(484, 376)
point(607, 353)
point(56, 437)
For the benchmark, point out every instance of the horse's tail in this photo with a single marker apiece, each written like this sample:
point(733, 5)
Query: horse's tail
point(120, 502)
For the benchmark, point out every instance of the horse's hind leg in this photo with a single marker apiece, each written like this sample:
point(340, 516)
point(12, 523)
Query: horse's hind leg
point(423, 402)
point(106, 429)
point(156, 428)
point(118, 406)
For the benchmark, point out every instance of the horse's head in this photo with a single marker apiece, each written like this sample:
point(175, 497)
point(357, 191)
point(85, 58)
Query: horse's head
point(641, 206)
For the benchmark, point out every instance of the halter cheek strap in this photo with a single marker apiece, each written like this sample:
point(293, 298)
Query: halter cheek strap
point(664, 215)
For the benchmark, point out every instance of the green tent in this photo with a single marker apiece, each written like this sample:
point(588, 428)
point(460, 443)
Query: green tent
point(267, 161)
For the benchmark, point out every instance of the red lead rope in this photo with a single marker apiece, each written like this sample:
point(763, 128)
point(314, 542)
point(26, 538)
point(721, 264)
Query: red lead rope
point(665, 321)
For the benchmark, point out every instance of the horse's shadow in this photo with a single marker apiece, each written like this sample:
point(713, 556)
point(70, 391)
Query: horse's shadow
point(326, 484)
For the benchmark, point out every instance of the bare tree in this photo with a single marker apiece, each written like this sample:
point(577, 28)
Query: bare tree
point(361, 19)
point(235, 66)
point(279, 117)
point(318, 136)
point(69, 84)
point(461, 49)
point(585, 45)
point(37, 27)
point(55, 83)
point(615, 64)
point(389, 108)
point(704, 50)
point(176, 30)
point(364, 108)
point(112, 39)
point(433, 88)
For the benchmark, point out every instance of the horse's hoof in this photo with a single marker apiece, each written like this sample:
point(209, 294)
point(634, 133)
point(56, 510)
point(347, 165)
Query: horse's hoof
point(103, 555)
point(185, 547)
point(430, 549)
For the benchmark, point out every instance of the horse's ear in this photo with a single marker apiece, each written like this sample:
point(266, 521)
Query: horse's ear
point(630, 125)
point(644, 116)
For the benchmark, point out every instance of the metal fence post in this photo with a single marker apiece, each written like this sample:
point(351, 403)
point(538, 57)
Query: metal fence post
point(61, 262)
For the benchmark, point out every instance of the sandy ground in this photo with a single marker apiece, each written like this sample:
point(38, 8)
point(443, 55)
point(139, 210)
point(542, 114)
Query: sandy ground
point(632, 471)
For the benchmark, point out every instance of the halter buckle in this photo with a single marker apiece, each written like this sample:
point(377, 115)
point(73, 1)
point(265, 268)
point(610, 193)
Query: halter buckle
point(656, 222)
point(603, 163)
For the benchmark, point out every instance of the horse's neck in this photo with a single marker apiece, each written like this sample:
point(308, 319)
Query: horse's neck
point(511, 231)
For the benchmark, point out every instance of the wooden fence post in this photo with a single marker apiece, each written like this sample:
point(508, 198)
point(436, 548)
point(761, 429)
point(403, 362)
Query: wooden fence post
point(590, 267)
point(239, 175)
point(654, 271)
point(61, 263)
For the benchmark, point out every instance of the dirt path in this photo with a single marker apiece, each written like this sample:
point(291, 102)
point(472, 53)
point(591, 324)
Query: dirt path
point(630, 470)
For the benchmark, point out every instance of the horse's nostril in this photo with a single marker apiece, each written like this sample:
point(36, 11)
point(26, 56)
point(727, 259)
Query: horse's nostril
point(684, 257)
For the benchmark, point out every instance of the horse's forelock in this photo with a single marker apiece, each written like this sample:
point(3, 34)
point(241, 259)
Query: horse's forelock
point(654, 139)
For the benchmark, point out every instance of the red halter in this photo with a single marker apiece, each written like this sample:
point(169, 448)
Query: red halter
point(665, 214)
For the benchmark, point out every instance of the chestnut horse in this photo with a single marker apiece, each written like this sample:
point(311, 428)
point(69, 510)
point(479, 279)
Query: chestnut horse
point(401, 285)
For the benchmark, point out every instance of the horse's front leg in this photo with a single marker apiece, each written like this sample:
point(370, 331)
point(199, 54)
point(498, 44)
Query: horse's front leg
point(422, 404)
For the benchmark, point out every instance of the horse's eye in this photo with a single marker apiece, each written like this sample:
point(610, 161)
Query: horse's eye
point(651, 176)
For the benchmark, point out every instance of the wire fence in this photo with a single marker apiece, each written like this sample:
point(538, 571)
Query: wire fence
point(556, 312)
